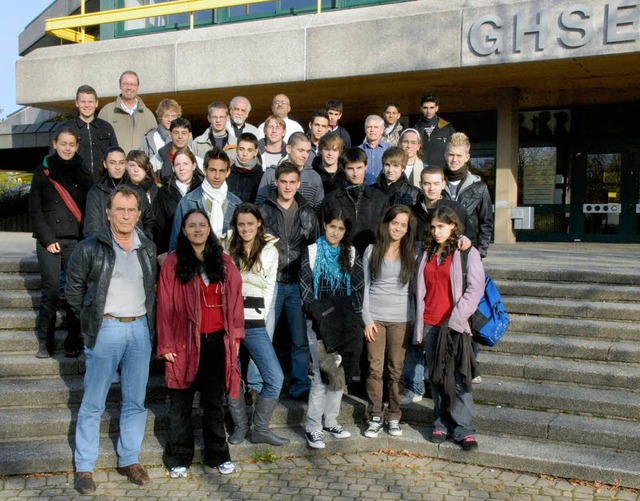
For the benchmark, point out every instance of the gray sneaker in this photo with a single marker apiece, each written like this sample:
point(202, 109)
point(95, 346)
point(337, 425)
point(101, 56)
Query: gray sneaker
point(375, 425)
point(394, 428)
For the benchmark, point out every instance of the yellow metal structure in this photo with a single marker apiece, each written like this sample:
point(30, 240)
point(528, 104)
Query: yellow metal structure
point(72, 28)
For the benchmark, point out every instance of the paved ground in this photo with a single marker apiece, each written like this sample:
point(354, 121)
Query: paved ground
point(332, 477)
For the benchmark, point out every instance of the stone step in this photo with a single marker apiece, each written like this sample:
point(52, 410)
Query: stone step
point(20, 281)
point(554, 326)
point(614, 403)
point(54, 391)
point(18, 365)
point(620, 434)
point(19, 319)
point(26, 264)
point(568, 290)
point(528, 455)
point(508, 271)
point(18, 423)
point(558, 346)
point(573, 309)
point(614, 375)
point(12, 299)
point(26, 341)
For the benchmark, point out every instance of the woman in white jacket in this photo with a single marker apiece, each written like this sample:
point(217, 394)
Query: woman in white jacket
point(254, 253)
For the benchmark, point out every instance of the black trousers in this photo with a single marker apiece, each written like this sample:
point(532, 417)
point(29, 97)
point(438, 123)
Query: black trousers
point(210, 380)
point(52, 268)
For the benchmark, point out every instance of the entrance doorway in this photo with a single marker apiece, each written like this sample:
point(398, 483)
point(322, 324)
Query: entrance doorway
point(605, 193)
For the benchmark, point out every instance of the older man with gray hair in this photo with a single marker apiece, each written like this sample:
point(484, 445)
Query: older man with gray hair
point(239, 109)
point(374, 147)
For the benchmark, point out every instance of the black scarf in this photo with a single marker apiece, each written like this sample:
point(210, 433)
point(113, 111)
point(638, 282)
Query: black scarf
point(457, 175)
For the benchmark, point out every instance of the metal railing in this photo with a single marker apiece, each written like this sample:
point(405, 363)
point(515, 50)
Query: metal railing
point(72, 28)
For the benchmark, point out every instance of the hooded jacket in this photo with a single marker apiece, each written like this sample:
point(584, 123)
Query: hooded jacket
point(95, 137)
point(473, 194)
point(179, 317)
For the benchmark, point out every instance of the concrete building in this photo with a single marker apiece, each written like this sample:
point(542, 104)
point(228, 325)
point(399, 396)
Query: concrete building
point(546, 90)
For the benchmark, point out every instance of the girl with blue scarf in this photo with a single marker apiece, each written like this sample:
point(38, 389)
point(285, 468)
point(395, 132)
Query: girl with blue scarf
point(331, 268)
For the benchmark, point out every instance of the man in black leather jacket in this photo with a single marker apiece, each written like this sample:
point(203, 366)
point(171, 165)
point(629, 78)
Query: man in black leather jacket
point(111, 288)
point(293, 220)
point(470, 191)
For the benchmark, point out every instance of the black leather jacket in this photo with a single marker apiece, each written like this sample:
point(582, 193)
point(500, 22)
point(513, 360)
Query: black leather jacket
point(89, 275)
point(400, 192)
point(305, 232)
point(473, 194)
point(95, 213)
point(366, 213)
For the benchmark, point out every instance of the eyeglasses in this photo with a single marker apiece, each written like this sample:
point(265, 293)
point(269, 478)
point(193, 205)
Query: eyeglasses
point(274, 127)
point(281, 103)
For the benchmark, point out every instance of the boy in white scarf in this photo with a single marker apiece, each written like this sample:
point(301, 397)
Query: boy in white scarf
point(212, 195)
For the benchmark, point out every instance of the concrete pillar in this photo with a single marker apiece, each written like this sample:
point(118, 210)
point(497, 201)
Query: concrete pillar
point(506, 196)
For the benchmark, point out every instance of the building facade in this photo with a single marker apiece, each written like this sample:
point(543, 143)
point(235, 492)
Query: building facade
point(546, 90)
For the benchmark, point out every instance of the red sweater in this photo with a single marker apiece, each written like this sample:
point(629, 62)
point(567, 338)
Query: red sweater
point(439, 300)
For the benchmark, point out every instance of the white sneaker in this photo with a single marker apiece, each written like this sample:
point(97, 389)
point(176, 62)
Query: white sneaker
point(477, 380)
point(394, 428)
point(315, 439)
point(178, 472)
point(227, 468)
point(374, 427)
point(338, 432)
point(410, 397)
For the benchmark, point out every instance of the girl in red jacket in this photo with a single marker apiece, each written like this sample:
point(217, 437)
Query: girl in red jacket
point(200, 324)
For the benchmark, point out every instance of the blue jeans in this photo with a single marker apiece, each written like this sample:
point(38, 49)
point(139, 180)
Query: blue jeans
point(129, 346)
point(414, 369)
point(288, 297)
point(457, 423)
point(264, 373)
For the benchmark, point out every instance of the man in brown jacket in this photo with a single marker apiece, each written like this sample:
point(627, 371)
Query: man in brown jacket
point(128, 115)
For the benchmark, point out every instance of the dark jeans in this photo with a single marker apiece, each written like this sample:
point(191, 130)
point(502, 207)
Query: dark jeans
point(210, 380)
point(51, 265)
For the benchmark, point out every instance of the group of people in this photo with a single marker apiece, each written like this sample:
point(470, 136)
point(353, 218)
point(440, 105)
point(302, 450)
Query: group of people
point(195, 246)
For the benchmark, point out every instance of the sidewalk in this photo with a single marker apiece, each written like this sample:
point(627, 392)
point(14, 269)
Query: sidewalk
point(376, 475)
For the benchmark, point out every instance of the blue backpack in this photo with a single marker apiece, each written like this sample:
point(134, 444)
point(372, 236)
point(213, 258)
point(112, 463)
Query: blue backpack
point(490, 321)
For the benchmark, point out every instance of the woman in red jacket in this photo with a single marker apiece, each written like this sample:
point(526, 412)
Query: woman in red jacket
point(200, 324)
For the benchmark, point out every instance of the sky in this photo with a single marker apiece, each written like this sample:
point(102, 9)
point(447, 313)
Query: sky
point(15, 16)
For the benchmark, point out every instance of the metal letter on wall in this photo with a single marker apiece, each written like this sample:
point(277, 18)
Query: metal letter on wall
point(621, 17)
point(539, 28)
point(484, 43)
point(576, 20)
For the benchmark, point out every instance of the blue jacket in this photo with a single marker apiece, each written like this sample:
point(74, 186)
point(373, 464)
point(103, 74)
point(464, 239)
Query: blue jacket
point(194, 200)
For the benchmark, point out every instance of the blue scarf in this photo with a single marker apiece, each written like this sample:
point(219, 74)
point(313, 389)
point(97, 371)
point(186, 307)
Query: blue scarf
point(328, 268)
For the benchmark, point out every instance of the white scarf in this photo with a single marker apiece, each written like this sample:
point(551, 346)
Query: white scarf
point(183, 187)
point(216, 198)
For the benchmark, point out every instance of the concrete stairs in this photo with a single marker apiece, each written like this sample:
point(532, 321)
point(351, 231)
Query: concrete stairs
point(560, 393)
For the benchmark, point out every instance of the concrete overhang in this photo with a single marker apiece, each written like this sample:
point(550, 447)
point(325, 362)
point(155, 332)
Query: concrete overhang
point(552, 51)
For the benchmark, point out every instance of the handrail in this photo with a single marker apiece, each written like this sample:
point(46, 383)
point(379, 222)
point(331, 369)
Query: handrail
point(72, 27)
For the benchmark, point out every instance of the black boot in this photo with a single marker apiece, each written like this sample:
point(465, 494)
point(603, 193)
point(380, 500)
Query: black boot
point(238, 410)
point(261, 434)
point(43, 351)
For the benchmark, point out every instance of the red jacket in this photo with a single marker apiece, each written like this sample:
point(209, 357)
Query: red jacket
point(178, 325)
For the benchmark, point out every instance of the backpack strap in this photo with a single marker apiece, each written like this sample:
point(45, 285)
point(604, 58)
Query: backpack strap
point(66, 197)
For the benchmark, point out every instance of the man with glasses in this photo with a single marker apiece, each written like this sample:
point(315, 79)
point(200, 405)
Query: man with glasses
point(435, 132)
point(128, 115)
point(280, 107)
